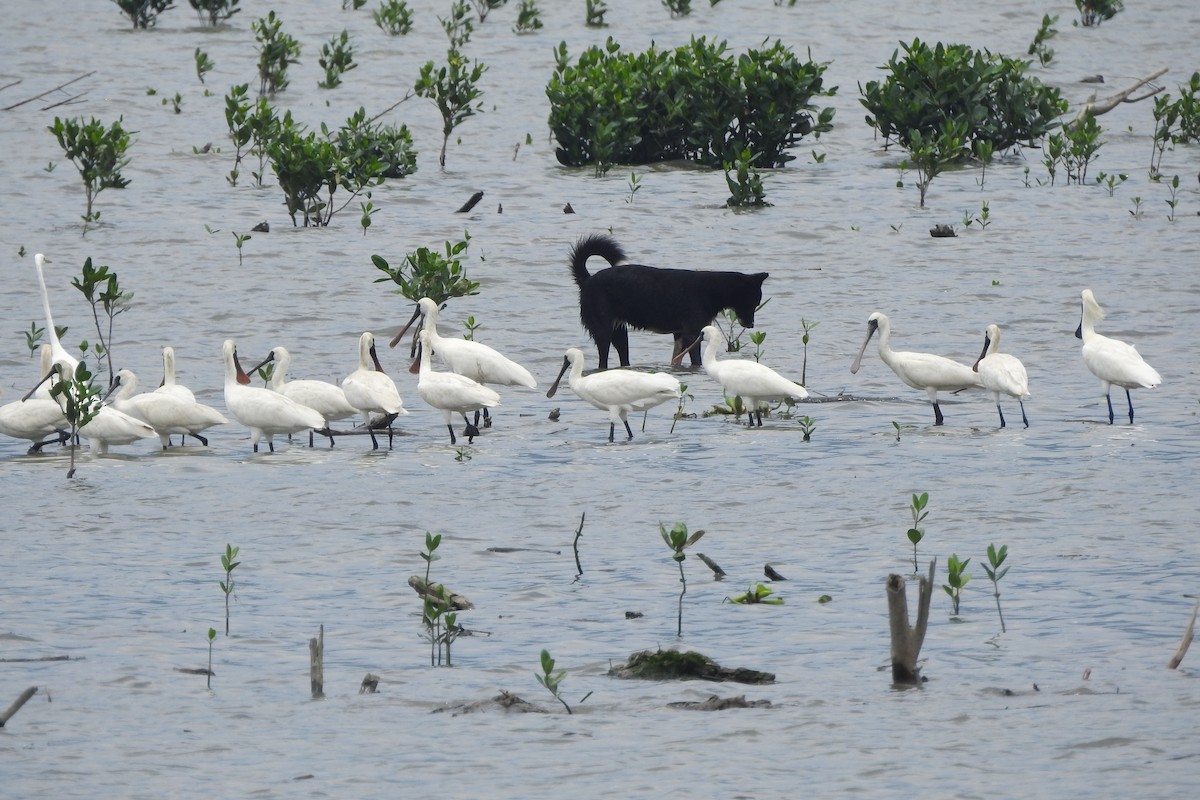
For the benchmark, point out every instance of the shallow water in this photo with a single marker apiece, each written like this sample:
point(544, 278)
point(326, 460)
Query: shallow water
point(118, 567)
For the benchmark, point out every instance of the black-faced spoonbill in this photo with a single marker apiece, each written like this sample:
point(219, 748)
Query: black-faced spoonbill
point(327, 399)
point(167, 413)
point(369, 389)
point(449, 392)
point(474, 360)
point(170, 386)
point(34, 419)
point(924, 371)
point(1002, 373)
point(617, 391)
point(755, 383)
point(264, 412)
point(1111, 360)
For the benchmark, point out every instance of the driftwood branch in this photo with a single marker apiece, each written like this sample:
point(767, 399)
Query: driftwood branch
point(1095, 108)
point(428, 590)
point(49, 91)
point(718, 573)
point(16, 706)
point(906, 639)
point(316, 665)
point(1177, 659)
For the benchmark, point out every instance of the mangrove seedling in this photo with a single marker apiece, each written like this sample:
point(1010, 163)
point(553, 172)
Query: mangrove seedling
point(807, 426)
point(1093, 12)
point(485, 7)
point(204, 64)
point(229, 565)
point(1174, 187)
point(212, 634)
point(1136, 211)
point(80, 401)
point(994, 573)
point(337, 57)
point(1045, 33)
point(240, 239)
point(757, 593)
point(684, 397)
point(1111, 182)
point(393, 17)
point(757, 338)
point(102, 290)
point(428, 273)
point(143, 13)
point(678, 8)
point(368, 211)
point(471, 325)
point(551, 679)
point(596, 9)
point(458, 25)
point(635, 183)
point(528, 17)
point(808, 329)
point(98, 152)
point(916, 534)
point(957, 579)
point(677, 540)
point(213, 12)
point(175, 102)
point(745, 182)
point(276, 52)
point(454, 89)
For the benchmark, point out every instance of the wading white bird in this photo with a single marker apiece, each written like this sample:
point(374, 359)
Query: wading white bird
point(167, 413)
point(34, 419)
point(111, 426)
point(59, 354)
point(1002, 373)
point(369, 390)
point(1111, 360)
point(617, 391)
point(450, 392)
point(755, 383)
point(170, 386)
point(264, 412)
point(924, 371)
point(476, 361)
point(327, 399)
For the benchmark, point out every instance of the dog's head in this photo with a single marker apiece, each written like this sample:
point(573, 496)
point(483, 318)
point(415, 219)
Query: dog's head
point(749, 299)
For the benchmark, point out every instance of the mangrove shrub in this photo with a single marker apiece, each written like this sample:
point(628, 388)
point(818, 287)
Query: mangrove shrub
point(696, 103)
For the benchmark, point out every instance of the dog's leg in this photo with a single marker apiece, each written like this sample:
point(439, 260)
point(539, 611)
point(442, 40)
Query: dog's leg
point(620, 340)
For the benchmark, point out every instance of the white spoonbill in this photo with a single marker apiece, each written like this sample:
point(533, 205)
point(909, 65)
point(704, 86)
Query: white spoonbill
point(1111, 360)
point(755, 383)
point(1002, 373)
point(264, 412)
point(617, 391)
point(475, 360)
point(369, 389)
point(170, 386)
point(919, 370)
point(327, 399)
point(34, 419)
point(166, 413)
point(111, 426)
point(449, 392)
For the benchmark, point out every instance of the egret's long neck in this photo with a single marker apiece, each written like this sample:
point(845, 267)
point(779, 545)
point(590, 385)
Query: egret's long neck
point(168, 367)
point(51, 330)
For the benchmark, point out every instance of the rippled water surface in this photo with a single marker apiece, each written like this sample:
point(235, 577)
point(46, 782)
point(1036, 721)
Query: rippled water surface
point(118, 568)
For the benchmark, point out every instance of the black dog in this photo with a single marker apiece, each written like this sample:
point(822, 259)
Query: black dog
point(675, 301)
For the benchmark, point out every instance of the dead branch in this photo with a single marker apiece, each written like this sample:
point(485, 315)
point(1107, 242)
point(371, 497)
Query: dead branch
point(16, 706)
point(1095, 108)
point(316, 665)
point(428, 590)
point(49, 91)
point(1177, 659)
point(70, 101)
point(906, 640)
point(718, 573)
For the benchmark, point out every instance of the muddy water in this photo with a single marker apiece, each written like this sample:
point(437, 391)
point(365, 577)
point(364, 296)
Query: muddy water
point(118, 567)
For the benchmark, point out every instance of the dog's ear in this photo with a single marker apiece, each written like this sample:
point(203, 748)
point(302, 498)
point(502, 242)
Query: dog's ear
point(760, 277)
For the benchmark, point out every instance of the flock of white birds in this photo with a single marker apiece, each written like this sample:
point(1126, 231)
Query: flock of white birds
point(289, 407)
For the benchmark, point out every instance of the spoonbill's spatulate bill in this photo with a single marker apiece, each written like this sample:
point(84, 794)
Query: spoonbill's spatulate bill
point(327, 399)
point(755, 383)
point(451, 392)
point(1002, 373)
point(264, 412)
point(1111, 360)
point(472, 359)
point(616, 391)
point(370, 390)
point(924, 371)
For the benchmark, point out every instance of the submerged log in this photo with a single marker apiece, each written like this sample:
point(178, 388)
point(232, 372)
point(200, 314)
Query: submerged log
point(1095, 108)
point(505, 701)
point(428, 591)
point(906, 639)
point(714, 703)
point(674, 665)
point(1177, 659)
point(16, 705)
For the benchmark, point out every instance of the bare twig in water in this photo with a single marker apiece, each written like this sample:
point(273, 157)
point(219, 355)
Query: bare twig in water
point(16, 706)
point(575, 544)
point(1177, 659)
point(48, 91)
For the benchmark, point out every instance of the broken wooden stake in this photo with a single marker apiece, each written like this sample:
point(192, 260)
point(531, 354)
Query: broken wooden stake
point(1095, 108)
point(316, 665)
point(370, 683)
point(718, 573)
point(907, 640)
point(16, 706)
point(1177, 659)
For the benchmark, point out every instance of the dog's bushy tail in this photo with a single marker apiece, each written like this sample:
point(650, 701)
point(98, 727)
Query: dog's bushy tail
point(596, 244)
